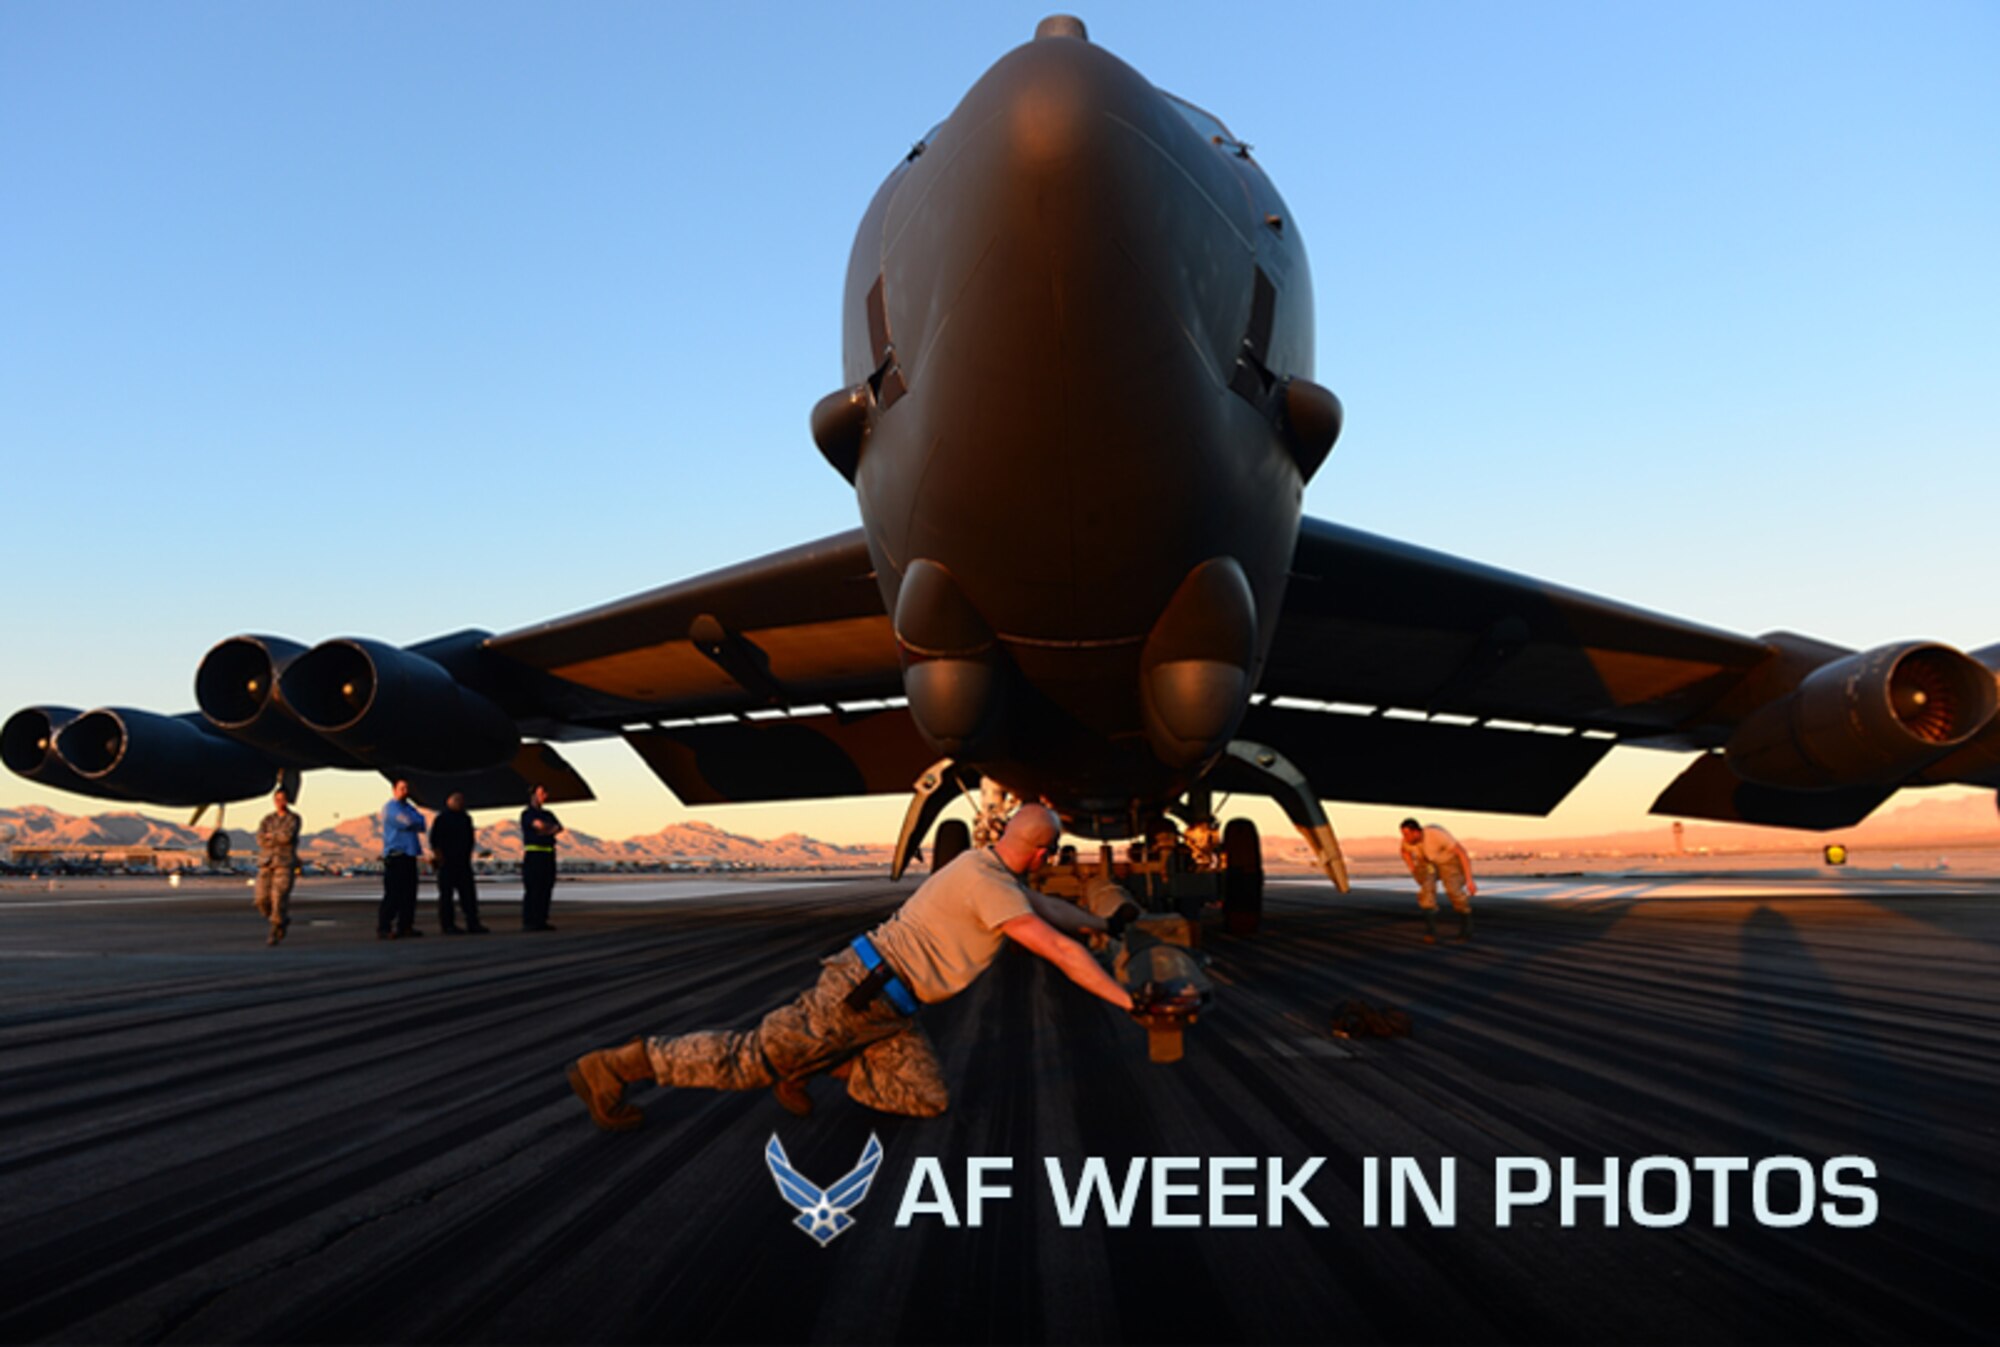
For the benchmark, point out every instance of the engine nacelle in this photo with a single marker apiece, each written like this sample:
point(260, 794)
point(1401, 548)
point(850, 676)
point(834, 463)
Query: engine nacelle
point(396, 710)
point(236, 687)
point(1871, 718)
point(28, 748)
point(170, 760)
point(1977, 762)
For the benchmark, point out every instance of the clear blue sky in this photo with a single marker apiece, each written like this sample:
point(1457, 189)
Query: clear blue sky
point(325, 319)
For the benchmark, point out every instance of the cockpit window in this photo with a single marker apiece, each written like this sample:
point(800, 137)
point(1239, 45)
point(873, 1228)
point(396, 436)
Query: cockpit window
point(1208, 126)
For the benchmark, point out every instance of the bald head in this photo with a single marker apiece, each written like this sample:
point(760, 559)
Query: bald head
point(1032, 831)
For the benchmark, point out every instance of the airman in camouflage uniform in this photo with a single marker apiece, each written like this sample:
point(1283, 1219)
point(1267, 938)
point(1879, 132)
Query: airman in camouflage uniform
point(884, 1055)
point(858, 1020)
point(277, 863)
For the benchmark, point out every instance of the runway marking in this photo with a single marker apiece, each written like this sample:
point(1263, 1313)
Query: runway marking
point(668, 892)
point(1302, 1048)
point(11, 904)
point(687, 890)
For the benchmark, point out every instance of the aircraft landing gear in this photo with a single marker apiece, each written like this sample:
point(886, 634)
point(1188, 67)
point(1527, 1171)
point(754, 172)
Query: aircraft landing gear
point(1242, 877)
point(1294, 794)
point(993, 807)
point(996, 805)
point(954, 839)
point(927, 800)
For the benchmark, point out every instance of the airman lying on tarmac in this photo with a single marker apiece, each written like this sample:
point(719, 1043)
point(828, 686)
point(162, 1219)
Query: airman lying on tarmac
point(858, 1022)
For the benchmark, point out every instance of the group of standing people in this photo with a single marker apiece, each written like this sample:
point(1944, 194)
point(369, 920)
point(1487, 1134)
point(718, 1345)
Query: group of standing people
point(450, 839)
point(1431, 853)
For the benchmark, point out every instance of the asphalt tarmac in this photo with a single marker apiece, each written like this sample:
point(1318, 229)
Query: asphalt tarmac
point(345, 1141)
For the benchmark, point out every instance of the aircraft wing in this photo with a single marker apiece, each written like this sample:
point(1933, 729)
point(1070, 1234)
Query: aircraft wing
point(774, 679)
point(1397, 675)
point(1407, 676)
point(1376, 622)
point(802, 625)
point(777, 678)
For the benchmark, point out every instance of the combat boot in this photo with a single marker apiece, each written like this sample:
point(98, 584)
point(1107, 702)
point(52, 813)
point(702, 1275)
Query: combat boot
point(600, 1078)
point(1430, 927)
point(1465, 924)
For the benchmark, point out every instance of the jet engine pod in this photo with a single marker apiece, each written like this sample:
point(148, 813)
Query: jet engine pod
point(237, 682)
point(171, 760)
point(236, 687)
point(396, 710)
point(1195, 668)
point(28, 748)
point(1869, 719)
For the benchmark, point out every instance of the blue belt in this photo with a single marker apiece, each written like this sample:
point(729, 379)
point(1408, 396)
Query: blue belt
point(892, 986)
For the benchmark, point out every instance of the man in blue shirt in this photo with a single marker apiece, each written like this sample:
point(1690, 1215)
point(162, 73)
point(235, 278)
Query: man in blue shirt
point(539, 830)
point(402, 843)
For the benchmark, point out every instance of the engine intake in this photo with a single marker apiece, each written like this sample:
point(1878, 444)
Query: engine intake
point(1871, 718)
point(395, 709)
point(236, 687)
point(237, 682)
point(170, 760)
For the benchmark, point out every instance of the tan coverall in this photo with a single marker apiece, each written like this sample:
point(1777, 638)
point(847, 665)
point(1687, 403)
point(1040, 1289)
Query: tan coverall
point(1428, 872)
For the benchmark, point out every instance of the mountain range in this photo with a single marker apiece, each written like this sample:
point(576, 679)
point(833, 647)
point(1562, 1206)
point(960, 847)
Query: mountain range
point(1922, 823)
point(360, 839)
point(1967, 819)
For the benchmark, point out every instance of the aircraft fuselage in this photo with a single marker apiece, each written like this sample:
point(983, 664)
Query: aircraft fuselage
point(1071, 309)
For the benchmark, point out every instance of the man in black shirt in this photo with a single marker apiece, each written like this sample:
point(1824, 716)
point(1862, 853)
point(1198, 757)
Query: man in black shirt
point(539, 830)
point(451, 856)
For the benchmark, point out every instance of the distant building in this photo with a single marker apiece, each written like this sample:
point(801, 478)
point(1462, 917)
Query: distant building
point(142, 860)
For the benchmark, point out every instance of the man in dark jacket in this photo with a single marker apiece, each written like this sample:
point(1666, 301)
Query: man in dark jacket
point(451, 856)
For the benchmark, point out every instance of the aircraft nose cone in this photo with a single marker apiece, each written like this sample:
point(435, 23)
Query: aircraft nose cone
point(1051, 114)
point(1065, 289)
point(1070, 221)
point(1055, 98)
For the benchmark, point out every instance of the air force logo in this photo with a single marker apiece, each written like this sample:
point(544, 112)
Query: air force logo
point(823, 1214)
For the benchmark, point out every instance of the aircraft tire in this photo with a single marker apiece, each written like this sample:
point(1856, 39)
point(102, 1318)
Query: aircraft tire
point(1242, 877)
point(954, 838)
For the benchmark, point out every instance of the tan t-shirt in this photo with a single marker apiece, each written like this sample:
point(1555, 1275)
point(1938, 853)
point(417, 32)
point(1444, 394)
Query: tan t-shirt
point(945, 936)
point(1437, 847)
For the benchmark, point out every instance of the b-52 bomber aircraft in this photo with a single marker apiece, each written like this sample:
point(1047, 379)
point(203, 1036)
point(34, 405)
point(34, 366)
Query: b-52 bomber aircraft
point(1079, 417)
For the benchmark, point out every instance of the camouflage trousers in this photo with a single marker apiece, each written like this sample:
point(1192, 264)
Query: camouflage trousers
point(886, 1056)
point(274, 893)
point(1453, 875)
